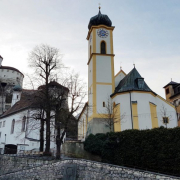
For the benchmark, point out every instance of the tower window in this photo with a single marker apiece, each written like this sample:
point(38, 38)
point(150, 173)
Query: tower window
point(103, 47)
point(167, 91)
point(103, 104)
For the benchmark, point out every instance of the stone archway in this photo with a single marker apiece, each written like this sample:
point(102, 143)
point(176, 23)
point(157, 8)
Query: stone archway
point(10, 149)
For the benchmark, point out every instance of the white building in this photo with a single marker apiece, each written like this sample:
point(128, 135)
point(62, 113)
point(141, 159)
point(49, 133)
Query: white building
point(9, 77)
point(136, 105)
point(19, 129)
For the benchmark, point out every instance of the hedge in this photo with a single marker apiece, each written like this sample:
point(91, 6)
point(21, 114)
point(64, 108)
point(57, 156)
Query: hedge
point(156, 149)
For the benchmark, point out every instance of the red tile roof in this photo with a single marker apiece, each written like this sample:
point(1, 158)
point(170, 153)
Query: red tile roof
point(27, 100)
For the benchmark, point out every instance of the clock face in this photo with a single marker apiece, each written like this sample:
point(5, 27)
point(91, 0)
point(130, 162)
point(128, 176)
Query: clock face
point(103, 33)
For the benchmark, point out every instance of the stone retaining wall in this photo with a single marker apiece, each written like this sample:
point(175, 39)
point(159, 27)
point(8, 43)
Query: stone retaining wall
point(9, 163)
point(75, 149)
point(86, 170)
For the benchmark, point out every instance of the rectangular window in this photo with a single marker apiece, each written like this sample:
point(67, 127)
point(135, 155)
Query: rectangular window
point(4, 123)
point(103, 104)
point(0, 134)
point(165, 120)
point(0, 124)
point(167, 91)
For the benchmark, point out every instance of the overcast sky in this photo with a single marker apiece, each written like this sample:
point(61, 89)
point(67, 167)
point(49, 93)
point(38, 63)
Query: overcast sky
point(147, 33)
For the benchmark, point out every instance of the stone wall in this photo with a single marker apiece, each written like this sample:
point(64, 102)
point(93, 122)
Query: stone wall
point(84, 170)
point(75, 149)
point(9, 163)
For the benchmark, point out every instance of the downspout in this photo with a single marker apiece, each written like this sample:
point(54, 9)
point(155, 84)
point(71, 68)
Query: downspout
point(131, 110)
point(176, 115)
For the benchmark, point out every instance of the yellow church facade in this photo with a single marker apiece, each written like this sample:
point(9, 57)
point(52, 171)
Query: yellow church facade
point(117, 102)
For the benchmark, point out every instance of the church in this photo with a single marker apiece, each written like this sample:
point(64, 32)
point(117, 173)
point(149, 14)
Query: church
point(122, 101)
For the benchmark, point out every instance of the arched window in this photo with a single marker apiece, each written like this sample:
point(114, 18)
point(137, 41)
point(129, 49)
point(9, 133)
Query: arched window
point(103, 47)
point(90, 50)
point(23, 123)
point(12, 126)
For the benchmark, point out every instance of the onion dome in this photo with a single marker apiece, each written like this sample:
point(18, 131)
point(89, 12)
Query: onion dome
point(17, 88)
point(99, 19)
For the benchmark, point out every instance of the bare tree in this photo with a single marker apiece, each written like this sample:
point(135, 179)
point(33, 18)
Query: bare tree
point(45, 60)
point(166, 117)
point(110, 115)
point(76, 97)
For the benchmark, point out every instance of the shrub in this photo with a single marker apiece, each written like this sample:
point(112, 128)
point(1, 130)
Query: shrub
point(156, 149)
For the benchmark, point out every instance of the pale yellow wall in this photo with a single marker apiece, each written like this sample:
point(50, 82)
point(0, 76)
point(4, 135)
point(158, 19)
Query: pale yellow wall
point(117, 125)
point(154, 118)
point(135, 116)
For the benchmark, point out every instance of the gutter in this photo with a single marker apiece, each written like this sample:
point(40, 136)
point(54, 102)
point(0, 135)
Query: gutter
point(131, 109)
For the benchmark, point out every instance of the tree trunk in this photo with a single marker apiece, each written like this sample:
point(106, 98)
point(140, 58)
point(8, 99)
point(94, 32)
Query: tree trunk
point(47, 150)
point(48, 112)
point(59, 140)
point(41, 148)
point(58, 144)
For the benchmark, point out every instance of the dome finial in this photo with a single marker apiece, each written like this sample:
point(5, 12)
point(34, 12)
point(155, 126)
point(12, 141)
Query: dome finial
point(99, 6)
point(134, 65)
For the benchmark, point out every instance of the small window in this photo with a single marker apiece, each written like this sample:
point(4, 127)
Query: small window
point(4, 123)
point(167, 91)
point(17, 96)
point(140, 83)
point(0, 134)
point(165, 120)
point(103, 47)
point(12, 126)
point(103, 104)
point(0, 124)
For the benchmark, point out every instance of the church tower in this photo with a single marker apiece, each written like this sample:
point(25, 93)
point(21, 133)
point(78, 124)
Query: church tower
point(100, 70)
